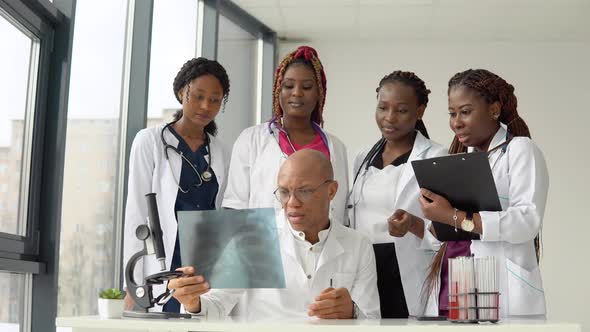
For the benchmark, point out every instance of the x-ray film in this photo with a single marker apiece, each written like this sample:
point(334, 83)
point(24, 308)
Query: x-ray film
point(232, 248)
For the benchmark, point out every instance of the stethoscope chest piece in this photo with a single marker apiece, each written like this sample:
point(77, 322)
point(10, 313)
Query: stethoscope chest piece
point(206, 176)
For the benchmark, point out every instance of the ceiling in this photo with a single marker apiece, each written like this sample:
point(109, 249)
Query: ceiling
point(440, 20)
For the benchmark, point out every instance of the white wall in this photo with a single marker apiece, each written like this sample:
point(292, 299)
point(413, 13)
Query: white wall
point(552, 82)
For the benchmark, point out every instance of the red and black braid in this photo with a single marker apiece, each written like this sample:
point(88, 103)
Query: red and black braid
point(308, 56)
point(494, 89)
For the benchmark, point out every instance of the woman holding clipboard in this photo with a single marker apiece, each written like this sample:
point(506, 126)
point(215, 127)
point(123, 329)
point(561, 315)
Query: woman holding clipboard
point(480, 103)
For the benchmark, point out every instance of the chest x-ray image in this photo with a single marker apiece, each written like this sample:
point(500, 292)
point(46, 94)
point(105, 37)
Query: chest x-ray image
point(232, 248)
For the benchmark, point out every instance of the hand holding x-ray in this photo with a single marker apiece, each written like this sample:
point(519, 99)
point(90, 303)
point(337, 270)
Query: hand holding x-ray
point(188, 288)
point(232, 248)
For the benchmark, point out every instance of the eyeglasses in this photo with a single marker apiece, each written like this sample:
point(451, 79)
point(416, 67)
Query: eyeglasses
point(303, 194)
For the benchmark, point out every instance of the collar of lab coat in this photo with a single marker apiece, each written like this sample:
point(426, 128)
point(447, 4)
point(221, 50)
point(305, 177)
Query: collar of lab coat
point(498, 139)
point(275, 129)
point(421, 145)
point(332, 248)
point(300, 236)
point(168, 136)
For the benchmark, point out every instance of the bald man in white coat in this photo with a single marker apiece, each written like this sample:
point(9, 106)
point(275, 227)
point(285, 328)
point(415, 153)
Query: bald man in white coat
point(329, 269)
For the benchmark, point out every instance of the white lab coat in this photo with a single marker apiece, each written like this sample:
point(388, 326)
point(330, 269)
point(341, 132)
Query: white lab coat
point(347, 258)
point(150, 172)
point(369, 216)
point(522, 181)
point(255, 162)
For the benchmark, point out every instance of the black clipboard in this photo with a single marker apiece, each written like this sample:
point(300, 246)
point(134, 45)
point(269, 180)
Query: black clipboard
point(466, 181)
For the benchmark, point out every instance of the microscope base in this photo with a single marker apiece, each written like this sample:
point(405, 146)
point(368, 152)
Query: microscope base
point(154, 315)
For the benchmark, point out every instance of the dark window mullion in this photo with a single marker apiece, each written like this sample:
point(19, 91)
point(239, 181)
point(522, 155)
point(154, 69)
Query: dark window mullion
point(54, 78)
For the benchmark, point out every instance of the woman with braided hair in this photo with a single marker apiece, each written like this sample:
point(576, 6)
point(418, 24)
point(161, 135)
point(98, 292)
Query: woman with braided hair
point(484, 117)
point(384, 199)
point(181, 162)
point(299, 94)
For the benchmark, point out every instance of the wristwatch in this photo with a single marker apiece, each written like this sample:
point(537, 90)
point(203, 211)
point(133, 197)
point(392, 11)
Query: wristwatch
point(355, 310)
point(467, 224)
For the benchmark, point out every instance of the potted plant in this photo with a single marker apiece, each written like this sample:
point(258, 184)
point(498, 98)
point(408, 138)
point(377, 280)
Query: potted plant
point(110, 303)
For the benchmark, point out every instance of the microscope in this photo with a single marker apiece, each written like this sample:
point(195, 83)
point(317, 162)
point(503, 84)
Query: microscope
point(151, 235)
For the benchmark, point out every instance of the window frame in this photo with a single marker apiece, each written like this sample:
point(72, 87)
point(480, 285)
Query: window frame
point(34, 253)
point(18, 251)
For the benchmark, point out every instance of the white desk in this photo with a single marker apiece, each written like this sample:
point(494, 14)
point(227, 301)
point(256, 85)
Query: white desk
point(95, 324)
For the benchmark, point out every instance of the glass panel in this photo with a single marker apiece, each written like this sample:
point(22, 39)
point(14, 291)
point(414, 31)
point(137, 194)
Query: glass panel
point(91, 158)
point(237, 52)
point(12, 297)
point(174, 35)
point(18, 73)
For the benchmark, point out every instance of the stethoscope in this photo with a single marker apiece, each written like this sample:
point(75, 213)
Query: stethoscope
point(370, 157)
point(273, 121)
point(207, 174)
point(364, 168)
point(502, 146)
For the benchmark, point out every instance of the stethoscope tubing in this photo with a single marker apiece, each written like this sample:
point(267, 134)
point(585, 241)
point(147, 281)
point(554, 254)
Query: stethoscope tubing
point(205, 176)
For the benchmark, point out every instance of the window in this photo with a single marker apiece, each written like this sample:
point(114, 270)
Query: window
point(12, 291)
point(174, 34)
point(18, 84)
point(104, 186)
point(87, 242)
point(237, 52)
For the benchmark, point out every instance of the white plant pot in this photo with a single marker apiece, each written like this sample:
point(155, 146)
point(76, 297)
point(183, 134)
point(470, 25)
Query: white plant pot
point(110, 308)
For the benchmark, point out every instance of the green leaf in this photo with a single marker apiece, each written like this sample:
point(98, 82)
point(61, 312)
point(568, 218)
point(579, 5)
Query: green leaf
point(111, 294)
